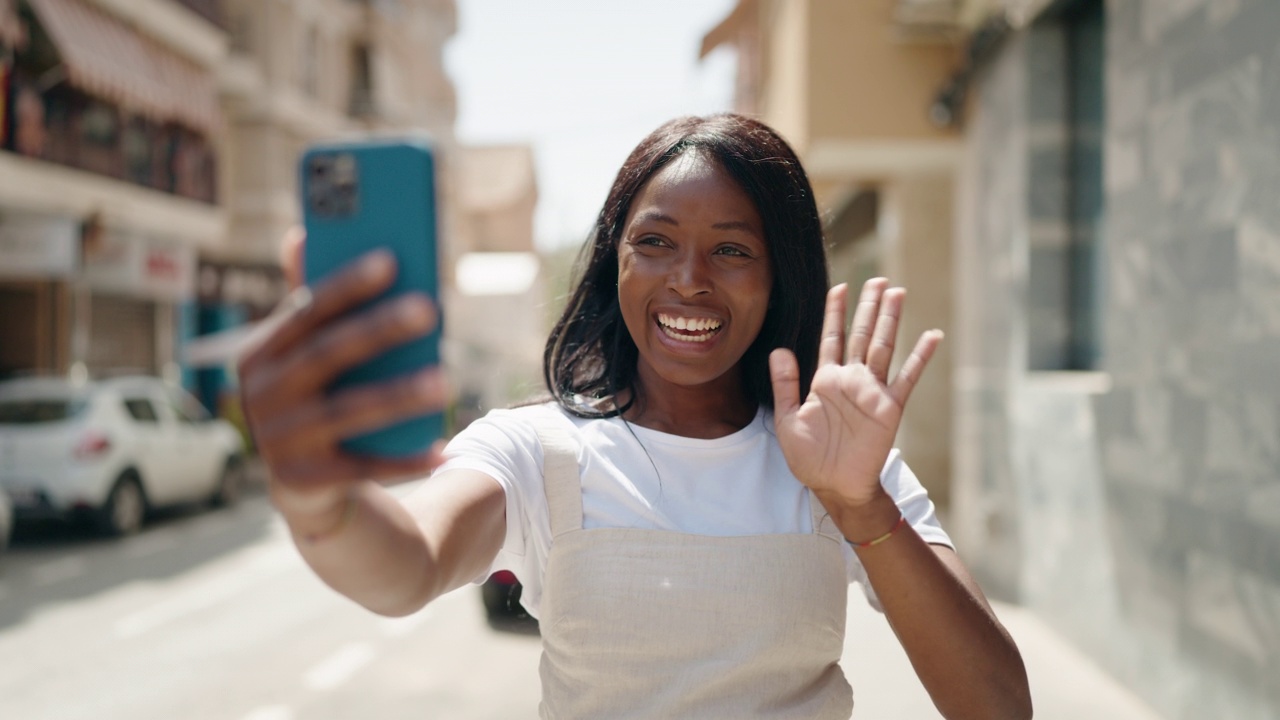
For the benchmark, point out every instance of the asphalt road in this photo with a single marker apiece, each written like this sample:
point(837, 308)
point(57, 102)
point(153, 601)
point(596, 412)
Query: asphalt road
point(214, 616)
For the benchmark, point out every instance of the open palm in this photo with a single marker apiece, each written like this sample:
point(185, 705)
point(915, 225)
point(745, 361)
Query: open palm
point(838, 439)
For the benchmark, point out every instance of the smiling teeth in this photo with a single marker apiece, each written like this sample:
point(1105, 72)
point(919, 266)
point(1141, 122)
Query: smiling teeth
point(685, 338)
point(683, 323)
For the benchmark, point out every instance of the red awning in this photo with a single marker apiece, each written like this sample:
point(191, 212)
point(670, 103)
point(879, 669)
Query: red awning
point(107, 58)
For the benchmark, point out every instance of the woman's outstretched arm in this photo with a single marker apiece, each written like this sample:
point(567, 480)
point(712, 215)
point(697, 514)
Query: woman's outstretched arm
point(389, 555)
point(394, 555)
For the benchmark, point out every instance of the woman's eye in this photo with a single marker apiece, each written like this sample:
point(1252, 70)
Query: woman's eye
point(650, 240)
point(731, 251)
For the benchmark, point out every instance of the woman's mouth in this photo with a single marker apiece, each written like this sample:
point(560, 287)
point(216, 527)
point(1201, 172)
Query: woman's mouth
point(688, 329)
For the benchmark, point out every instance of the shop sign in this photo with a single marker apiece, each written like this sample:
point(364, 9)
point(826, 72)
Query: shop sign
point(37, 246)
point(132, 265)
point(260, 287)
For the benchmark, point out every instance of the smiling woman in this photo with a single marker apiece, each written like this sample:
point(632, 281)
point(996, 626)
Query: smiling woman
point(715, 216)
point(714, 469)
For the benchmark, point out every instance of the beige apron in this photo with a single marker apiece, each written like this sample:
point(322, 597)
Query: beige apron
point(661, 624)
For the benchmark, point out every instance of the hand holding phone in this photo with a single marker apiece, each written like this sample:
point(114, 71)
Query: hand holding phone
point(378, 195)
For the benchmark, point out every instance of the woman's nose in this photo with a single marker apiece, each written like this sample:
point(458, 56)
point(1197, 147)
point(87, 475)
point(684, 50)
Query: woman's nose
point(689, 276)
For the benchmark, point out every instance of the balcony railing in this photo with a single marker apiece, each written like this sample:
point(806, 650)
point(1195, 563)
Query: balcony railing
point(81, 132)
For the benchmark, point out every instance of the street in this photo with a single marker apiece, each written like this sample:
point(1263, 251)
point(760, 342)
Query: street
point(213, 615)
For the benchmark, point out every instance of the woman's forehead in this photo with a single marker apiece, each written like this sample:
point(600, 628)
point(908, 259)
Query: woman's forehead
point(696, 187)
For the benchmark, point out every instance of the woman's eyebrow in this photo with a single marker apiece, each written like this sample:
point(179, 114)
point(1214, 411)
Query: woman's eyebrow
point(735, 225)
point(655, 216)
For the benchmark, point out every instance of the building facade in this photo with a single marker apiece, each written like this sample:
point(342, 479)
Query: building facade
point(495, 312)
point(1118, 270)
point(1090, 185)
point(108, 179)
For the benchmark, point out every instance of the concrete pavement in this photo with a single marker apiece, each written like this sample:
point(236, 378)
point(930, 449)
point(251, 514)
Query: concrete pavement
point(1065, 684)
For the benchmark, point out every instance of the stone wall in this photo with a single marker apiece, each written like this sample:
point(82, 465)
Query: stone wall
point(1137, 508)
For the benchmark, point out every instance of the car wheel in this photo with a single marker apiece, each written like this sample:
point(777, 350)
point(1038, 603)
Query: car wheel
point(230, 484)
point(125, 508)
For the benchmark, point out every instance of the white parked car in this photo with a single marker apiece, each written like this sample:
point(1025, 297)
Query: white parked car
point(110, 450)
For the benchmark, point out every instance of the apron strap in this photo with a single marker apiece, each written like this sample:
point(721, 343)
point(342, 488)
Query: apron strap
point(560, 479)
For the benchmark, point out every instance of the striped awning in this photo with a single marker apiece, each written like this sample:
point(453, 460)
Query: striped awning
point(109, 59)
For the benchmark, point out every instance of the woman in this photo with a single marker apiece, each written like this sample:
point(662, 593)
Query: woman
point(716, 466)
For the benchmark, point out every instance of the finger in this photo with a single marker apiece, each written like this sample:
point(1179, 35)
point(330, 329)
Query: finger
point(320, 358)
point(359, 282)
point(914, 366)
point(833, 326)
point(295, 240)
point(785, 374)
point(880, 352)
point(352, 412)
point(864, 319)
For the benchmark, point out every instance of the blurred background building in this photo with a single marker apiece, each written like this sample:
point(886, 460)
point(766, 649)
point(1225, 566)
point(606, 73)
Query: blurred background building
point(108, 179)
point(497, 319)
point(1083, 194)
point(149, 174)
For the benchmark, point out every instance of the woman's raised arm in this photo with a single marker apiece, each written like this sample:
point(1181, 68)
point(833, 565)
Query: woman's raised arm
point(836, 442)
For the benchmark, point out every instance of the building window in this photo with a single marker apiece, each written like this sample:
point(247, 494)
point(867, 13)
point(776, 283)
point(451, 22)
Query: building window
point(1066, 63)
point(360, 99)
point(311, 61)
point(241, 30)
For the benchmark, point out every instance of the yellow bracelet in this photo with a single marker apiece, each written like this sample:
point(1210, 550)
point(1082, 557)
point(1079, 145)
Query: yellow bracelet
point(902, 520)
point(348, 512)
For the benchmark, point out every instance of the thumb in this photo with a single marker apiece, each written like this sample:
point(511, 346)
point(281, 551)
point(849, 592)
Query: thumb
point(784, 372)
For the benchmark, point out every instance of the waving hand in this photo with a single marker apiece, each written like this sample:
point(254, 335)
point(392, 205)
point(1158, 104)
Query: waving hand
point(837, 440)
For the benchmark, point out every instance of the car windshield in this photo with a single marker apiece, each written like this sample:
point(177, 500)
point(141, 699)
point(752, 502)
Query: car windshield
point(34, 411)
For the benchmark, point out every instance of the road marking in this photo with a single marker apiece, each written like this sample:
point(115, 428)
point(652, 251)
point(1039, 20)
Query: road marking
point(265, 563)
point(270, 712)
point(63, 569)
point(339, 667)
point(401, 626)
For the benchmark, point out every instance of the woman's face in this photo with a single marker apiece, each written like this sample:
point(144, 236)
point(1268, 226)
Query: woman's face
point(693, 275)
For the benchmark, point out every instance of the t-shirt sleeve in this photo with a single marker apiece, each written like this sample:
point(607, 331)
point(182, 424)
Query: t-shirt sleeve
point(913, 500)
point(505, 447)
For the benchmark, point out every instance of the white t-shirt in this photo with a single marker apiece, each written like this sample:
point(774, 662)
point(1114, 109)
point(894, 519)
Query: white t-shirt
point(634, 477)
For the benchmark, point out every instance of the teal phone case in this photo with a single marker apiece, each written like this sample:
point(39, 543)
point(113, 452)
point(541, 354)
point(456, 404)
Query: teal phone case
point(364, 195)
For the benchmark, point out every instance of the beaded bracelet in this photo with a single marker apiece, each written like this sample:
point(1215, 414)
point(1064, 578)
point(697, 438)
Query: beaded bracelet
point(902, 520)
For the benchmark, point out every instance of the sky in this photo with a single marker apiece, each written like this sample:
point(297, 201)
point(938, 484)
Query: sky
point(583, 81)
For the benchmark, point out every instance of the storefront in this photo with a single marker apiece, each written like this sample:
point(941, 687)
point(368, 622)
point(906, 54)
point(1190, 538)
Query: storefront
point(39, 260)
point(129, 303)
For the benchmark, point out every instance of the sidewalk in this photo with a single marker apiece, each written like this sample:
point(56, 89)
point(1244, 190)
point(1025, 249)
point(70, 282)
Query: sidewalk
point(1065, 684)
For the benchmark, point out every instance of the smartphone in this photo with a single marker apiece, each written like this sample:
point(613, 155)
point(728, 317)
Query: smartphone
point(363, 195)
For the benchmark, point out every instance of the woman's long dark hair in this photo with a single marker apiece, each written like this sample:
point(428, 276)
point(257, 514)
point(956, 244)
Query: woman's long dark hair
point(590, 355)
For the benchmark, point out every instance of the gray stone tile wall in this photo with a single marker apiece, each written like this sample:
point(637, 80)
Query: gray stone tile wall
point(1143, 519)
